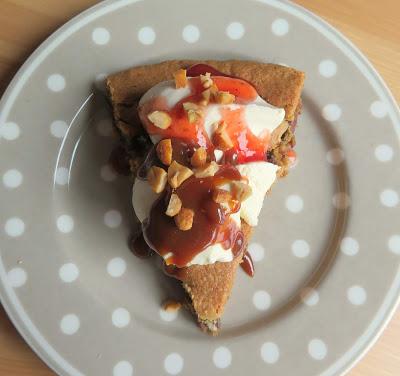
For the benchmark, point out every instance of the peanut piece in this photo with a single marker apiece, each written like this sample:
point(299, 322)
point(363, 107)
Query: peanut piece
point(221, 196)
point(174, 205)
point(224, 97)
point(171, 305)
point(206, 171)
point(241, 190)
point(157, 178)
point(221, 138)
point(180, 78)
point(164, 151)
point(177, 174)
point(193, 111)
point(160, 119)
point(199, 158)
point(184, 219)
point(206, 80)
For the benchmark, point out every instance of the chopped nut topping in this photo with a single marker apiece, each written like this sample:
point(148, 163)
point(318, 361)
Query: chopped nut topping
point(206, 80)
point(241, 190)
point(164, 151)
point(157, 178)
point(224, 97)
point(221, 138)
point(174, 205)
point(160, 119)
point(184, 219)
point(180, 78)
point(193, 110)
point(199, 158)
point(177, 174)
point(209, 169)
point(171, 305)
point(221, 196)
point(206, 95)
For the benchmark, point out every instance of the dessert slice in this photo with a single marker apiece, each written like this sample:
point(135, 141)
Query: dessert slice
point(206, 142)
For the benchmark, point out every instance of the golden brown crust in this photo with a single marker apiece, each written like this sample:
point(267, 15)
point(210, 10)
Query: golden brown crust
point(209, 286)
point(278, 85)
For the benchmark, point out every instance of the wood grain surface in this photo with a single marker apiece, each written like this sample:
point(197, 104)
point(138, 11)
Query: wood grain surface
point(372, 25)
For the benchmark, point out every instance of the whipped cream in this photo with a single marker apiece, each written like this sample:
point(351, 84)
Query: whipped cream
point(260, 176)
point(259, 115)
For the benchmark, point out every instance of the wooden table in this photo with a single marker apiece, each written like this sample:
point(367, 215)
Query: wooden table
point(371, 24)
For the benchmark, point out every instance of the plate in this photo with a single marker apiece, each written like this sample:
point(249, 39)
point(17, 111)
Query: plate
point(327, 250)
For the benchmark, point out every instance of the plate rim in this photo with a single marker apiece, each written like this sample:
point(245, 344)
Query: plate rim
point(392, 298)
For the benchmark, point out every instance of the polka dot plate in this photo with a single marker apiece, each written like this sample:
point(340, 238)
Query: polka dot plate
point(326, 252)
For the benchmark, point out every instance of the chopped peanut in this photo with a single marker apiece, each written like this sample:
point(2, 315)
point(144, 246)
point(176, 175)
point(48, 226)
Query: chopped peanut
point(221, 196)
point(164, 151)
point(171, 305)
point(206, 80)
point(199, 158)
point(224, 97)
point(221, 138)
point(157, 178)
point(206, 171)
point(193, 110)
point(206, 95)
point(184, 219)
point(174, 205)
point(180, 78)
point(241, 190)
point(160, 119)
point(177, 174)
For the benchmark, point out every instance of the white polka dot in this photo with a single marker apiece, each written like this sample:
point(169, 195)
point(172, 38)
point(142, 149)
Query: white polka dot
point(68, 272)
point(341, 200)
point(309, 296)
point(168, 315)
point(116, 267)
point(100, 82)
point(65, 223)
point(222, 357)
point(121, 317)
point(10, 131)
point(389, 198)
point(16, 277)
point(70, 324)
point(331, 112)
point(62, 174)
point(14, 227)
point(294, 203)
point(58, 128)
point(191, 33)
point(123, 368)
point(300, 248)
point(112, 218)
point(378, 109)
point(104, 127)
point(12, 179)
point(56, 82)
point(384, 153)
point(280, 27)
point(394, 244)
point(327, 68)
point(146, 35)
point(270, 352)
point(317, 349)
point(356, 295)
point(173, 364)
point(335, 156)
point(107, 173)
point(261, 300)
point(256, 251)
point(235, 30)
point(349, 246)
point(101, 36)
